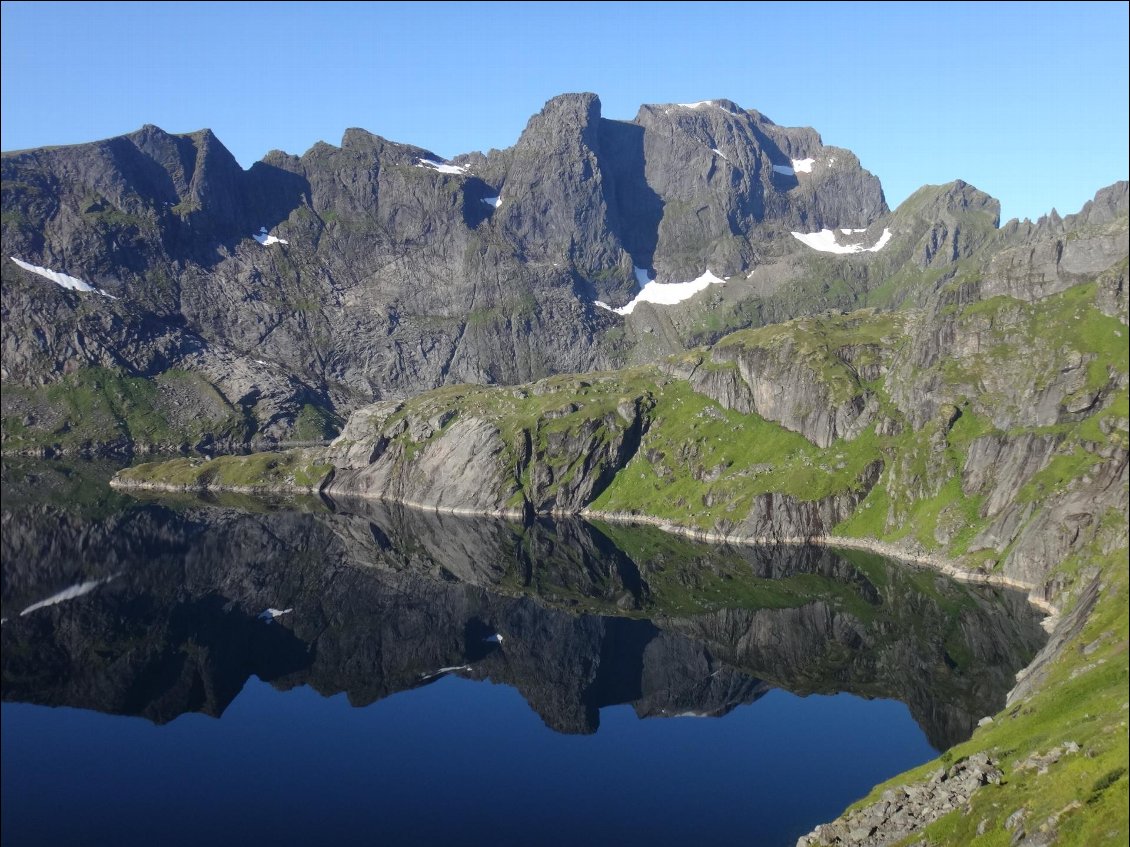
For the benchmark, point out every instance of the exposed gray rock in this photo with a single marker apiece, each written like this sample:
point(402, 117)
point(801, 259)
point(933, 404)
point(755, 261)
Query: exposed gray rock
point(463, 469)
point(1113, 296)
point(712, 167)
point(447, 459)
point(1070, 522)
point(1030, 679)
point(1015, 821)
point(1054, 254)
point(394, 275)
point(560, 197)
point(998, 466)
point(391, 274)
point(908, 809)
point(779, 517)
point(782, 386)
point(944, 224)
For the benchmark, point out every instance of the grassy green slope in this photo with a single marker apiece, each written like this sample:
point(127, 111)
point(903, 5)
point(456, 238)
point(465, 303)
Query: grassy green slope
point(99, 410)
point(95, 407)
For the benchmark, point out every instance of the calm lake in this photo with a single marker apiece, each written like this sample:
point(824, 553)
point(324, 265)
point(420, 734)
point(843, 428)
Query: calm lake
point(181, 670)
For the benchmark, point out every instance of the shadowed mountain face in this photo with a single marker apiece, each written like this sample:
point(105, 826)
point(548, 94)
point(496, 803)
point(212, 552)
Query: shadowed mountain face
point(155, 609)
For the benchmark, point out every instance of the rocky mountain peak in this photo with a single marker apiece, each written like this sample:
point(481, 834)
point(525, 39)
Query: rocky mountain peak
point(361, 139)
point(364, 143)
point(1108, 205)
point(935, 202)
point(946, 223)
point(579, 109)
point(559, 203)
point(1039, 259)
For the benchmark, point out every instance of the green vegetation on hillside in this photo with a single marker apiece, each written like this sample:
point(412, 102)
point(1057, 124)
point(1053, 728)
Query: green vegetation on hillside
point(701, 465)
point(294, 469)
point(79, 412)
point(102, 410)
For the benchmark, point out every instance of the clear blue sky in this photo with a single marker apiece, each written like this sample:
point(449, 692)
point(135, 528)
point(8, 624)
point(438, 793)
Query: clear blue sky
point(1027, 101)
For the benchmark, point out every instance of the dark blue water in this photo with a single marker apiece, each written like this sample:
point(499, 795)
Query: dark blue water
point(147, 702)
point(455, 762)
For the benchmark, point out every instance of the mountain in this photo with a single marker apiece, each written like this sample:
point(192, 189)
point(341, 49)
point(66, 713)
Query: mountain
point(383, 270)
point(195, 302)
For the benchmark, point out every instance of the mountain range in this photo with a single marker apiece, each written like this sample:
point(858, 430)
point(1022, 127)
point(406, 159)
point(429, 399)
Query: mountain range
point(267, 304)
point(696, 318)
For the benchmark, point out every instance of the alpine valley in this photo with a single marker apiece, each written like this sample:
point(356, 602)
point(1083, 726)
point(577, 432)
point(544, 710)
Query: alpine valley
point(697, 319)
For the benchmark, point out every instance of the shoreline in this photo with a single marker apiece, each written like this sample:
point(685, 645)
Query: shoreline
point(883, 548)
point(892, 551)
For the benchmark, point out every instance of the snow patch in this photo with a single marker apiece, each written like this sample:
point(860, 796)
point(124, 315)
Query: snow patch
point(266, 239)
point(718, 152)
point(850, 231)
point(825, 241)
point(803, 166)
point(493, 639)
point(603, 305)
point(442, 167)
point(442, 671)
point(67, 594)
point(272, 613)
point(784, 169)
point(882, 242)
point(71, 283)
point(670, 293)
point(703, 104)
point(493, 202)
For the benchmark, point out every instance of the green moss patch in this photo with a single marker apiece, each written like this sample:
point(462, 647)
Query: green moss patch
point(295, 469)
point(95, 407)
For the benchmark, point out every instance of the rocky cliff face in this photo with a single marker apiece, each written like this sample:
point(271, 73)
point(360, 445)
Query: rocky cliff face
point(1055, 253)
point(376, 279)
point(374, 269)
point(491, 452)
point(306, 287)
point(733, 185)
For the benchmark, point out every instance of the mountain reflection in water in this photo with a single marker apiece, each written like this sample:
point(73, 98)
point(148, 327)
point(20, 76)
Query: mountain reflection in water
point(156, 608)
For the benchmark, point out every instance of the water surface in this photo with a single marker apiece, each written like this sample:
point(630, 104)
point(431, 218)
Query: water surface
point(439, 680)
